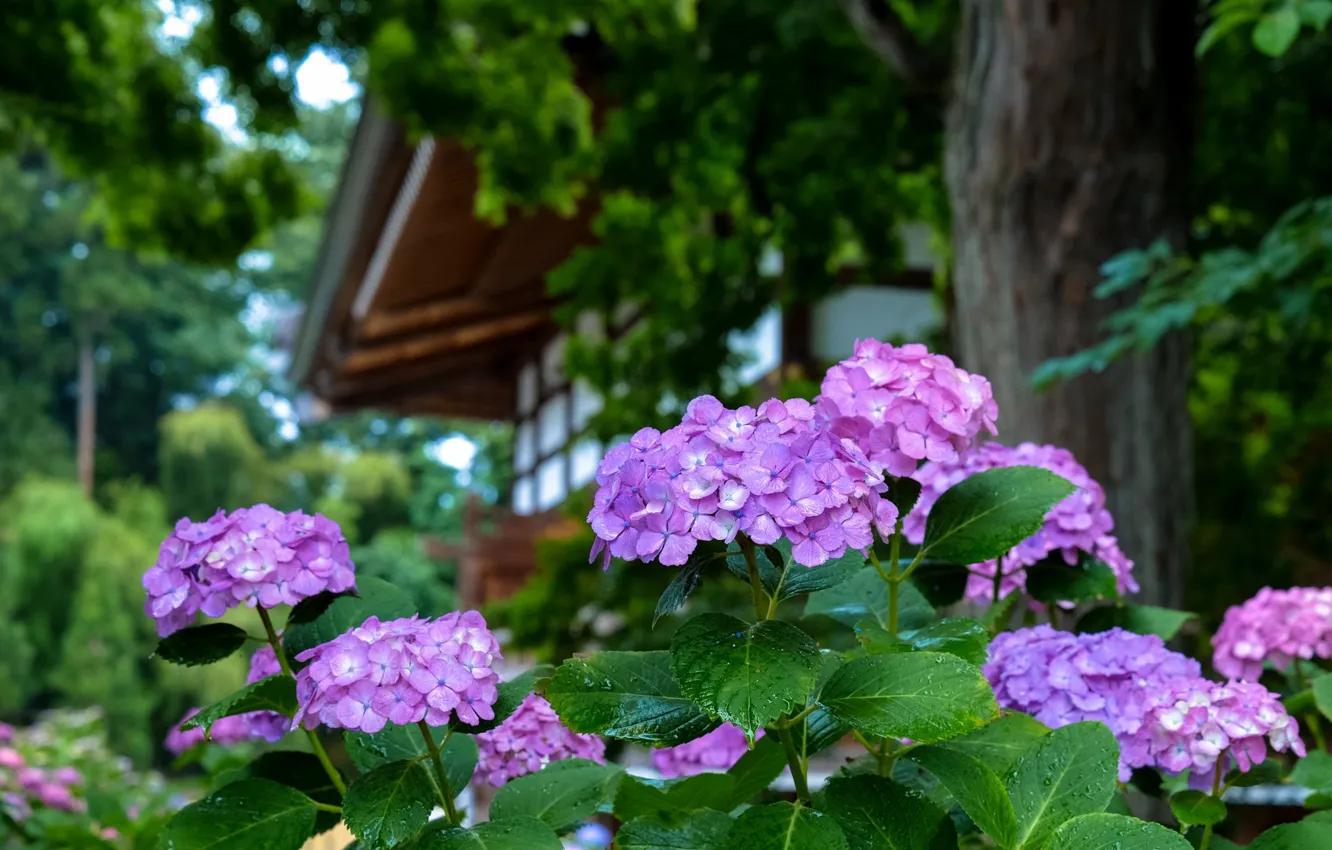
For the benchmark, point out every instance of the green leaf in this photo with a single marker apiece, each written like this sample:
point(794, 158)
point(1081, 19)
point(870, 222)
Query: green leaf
point(201, 644)
point(941, 583)
point(1322, 694)
point(864, 596)
point(631, 696)
point(770, 566)
point(819, 731)
point(1070, 772)
point(1305, 835)
point(798, 579)
point(253, 814)
point(1055, 580)
point(511, 695)
point(1316, 13)
point(987, 514)
point(1267, 772)
point(745, 674)
point(1165, 623)
point(999, 613)
point(276, 693)
point(1276, 31)
point(636, 798)
point(560, 794)
point(977, 789)
point(405, 743)
point(387, 806)
point(1314, 771)
point(702, 830)
point(960, 636)
point(925, 696)
point(1115, 832)
point(507, 834)
point(686, 580)
point(305, 773)
point(1197, 809)
point(783, 826)
point(903, 493)
point(878, 814)
point(374, 598)
point(1001, 742)
point(756, 770)
point(877, 640)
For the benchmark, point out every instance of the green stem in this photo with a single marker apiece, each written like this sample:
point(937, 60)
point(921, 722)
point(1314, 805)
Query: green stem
point(1216, 792)
point(1316, 727)
point(325, 807)
point(998, 580)
point(797, 764)
point(318, 748)
point(755, 580)
point(445, 792)
point(895, 556)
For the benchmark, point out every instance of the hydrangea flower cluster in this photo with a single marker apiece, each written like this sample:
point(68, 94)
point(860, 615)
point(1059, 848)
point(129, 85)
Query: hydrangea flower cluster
point(769, 473)
point(1061, 678)
point(528, 740)
point(402, 672)
point(904, 405)
point(715, 752)
point(258, 556)
point(226, 731)
point(1277, 626)
point(1080, 523)
point(1202, 726)
point(23, 785)
point(268, 725)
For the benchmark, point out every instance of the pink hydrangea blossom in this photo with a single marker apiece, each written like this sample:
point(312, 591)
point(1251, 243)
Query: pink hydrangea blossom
point(1276, 626)
point(1078, 524)
point(268, 725)
point(226, 731)
point(257, 556)
point(528, 740)
point(767, 472)
point(1205, 727)
point(401, 672)
point(903, 405)
point(715, 752)
point(1061, 678)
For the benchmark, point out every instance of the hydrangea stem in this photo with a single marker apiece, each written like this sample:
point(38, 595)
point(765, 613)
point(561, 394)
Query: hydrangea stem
point(275, 642)
point(1216, 792)
point(894, 557)
point(755, 580)
point(797, 764)
point(445, 792)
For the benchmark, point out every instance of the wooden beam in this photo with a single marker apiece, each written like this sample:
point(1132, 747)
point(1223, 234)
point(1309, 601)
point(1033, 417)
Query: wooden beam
point(445, 342)
point(444, 313)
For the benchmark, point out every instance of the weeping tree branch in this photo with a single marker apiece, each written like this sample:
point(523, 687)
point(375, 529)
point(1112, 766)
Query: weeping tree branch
point(888, 37)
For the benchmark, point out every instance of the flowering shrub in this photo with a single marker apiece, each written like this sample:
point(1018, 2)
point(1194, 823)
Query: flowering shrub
point(1276, 627)
point(874, 505)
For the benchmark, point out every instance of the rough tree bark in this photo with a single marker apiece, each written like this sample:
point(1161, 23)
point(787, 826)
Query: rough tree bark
point(1069, 136)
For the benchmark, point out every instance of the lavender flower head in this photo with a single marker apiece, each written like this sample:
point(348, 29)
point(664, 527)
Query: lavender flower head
point(715, 752)
point(528, 740)
point(904, 405)
point(258, 556)
point(1061, 678)
point(268, 725)
point(768, 472)
point(1080, 523)
point(226, 731)
point(1204, 726)
point(402, 672)
point(1277, 626)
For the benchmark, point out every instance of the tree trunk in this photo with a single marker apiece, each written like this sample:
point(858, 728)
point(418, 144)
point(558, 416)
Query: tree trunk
point(87, 415)
point(1069, 137)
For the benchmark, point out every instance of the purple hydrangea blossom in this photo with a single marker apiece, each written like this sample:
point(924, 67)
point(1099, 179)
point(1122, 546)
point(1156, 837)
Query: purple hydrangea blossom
point(226, 731)
point(1276, 626)
point(23, 785)
point(258, 556)
point(1205, 727)
point(1078, 524)
point(528, 740)
point(768, 472)
point(268, 725)
point(715, 752)
point(401, 672)
point(1061, 678)
point(902, 405)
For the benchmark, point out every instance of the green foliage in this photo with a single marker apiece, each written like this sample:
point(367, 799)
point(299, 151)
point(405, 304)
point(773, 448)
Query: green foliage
point(560, 795)
point(1055, 580)
point(699, 830)
point(1070, 772)
point(1142, 619)
point(397, 555)
point(631, 696)
point(380, 487)
point(1115, 832)
point(975, 787)
point(1196, 808)
point(201, 644)
point(303, 772)
point(321, 618)
point(275, 693)
point(878, 814)
point(386, 806)
point(253, 814)
point(782, 826)
point(209, 460)
point(987, 514)
point(508, 834)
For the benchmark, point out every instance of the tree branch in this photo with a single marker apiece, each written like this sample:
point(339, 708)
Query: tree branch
point(889, 38)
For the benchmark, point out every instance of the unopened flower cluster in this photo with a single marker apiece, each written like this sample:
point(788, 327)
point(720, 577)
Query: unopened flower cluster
point(768, 473)
point(1204, 726)
point(1061, 678)
point(715, 752)
point(1276, 626)
point(902, 405)
point(257, 556)
point(1155, 701)
point(402, 672)
point(1079, 524)
point(528, 740)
